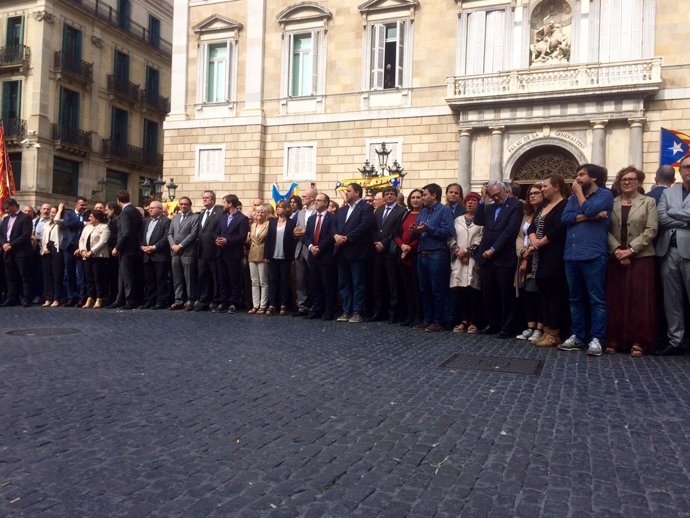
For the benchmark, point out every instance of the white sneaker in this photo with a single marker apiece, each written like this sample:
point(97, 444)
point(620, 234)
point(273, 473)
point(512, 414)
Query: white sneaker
point(572, 344)
point(594, 348)
point(536, 336)
point(525, 334)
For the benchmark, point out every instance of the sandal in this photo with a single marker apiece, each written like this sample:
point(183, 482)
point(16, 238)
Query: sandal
point(460, 328)
point(472, 330)
point(283, 310)
point(260, 311)
point(270, 311)
point(253, 310)
point(610, 350)
point(636, 351)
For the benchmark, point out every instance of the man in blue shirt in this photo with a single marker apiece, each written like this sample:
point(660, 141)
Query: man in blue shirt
point(434, 226)
point(587, 218)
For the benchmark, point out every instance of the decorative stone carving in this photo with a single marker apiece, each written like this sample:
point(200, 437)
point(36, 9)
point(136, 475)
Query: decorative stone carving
point(542, 162)
point(550, 26)
point(97, 42)
point(43, 16)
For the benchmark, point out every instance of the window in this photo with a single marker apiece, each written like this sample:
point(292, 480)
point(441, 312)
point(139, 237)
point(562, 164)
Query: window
point(217, 72)
point(16, 162)
point(11, 101)
point(65, 177)
point(152, 83)
point(300, 161)
point(303, 64)
point(69, 111)
point(118, 131)
point(124, 13)
point(150, 143)
point(71, 43)
point(484, 42)
point(210, 162)
point(154, 38)
point(114, 181)
point(621, 30)
point(387, 55)
point(121, 67)
point(15, 31)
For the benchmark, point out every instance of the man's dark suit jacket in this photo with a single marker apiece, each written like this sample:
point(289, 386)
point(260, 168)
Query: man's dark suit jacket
point(656, 192)
point(20, 237)
point(326, 241)
point(499, 233)
point(386, 231)
point(357, 229)
point(235, 235)
point(72, 227)
point(288, 239)
point(208, 233)
point(128, 231)
point(159, 239)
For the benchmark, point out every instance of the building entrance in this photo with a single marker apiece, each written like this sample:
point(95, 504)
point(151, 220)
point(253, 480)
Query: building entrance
point(541, 162)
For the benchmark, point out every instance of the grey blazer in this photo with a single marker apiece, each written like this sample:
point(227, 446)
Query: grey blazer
point(300, 248)
point(674, 215)
point(185, 234)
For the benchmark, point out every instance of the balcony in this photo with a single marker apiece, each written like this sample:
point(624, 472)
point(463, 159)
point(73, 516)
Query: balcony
point(71, 140)
point(14, 59)
point(111, 16)
point(76, 69)
point(124, 90)
point(154, 102)
point(15, 131)
point(132, 156)
point(572, 82)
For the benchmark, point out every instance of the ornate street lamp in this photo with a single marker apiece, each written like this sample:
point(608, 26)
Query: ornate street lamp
point(158, 188)
point(146, 186)
point(172, 187)
point(383, 157)
point(368, 170)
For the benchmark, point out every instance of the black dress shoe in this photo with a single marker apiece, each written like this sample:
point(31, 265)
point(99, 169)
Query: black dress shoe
point(176, 307)
point(327, 316)
point(189, 307)
point(669, 350)
point(313, 316)
point(219, 309)
point(71, 304)
point(200, 307)
point(114, 305)
point(504, 335)
point(487, 330)
point(301, 314)
point(26, 304)
point(392, 320)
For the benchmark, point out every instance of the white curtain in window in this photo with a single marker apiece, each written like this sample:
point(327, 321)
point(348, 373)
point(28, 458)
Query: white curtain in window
point(217, 72)
point(300, 163)
point(211, 164)
point(485, 42)
point(620, 30)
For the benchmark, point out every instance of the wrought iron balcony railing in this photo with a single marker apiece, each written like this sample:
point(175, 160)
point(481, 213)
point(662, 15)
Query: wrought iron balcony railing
point(71, 136)
point(152, 158)
point(15, 130)
point(155, 102)
point(75, 67)
point(110, 15)
point(15, 56)
point(124, 89)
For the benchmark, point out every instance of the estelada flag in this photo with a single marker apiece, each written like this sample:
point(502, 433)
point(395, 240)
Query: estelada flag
point(7, 189)
point(675, 146)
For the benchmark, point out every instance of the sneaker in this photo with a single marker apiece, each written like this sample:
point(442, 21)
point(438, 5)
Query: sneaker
point(594, 348)
point(355, 319)
point(343, 318)
point(572, 344)
point(527, 333)
point(536, 336)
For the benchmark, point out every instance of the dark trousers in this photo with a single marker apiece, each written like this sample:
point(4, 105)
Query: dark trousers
point(53, 266)
point(352, 284)
point(74, 272)
point(17, 271)
point(385, 285)
point(113, 278)
point(498, 293)
point(156, 289)
point(468, 300)
point(413, 298)
point(208, 280)
point(322, 287)
point(230, 271)
point(127, 274)
point(279, 283)
point(433, 272)
point(553, 295)
point(96, 274)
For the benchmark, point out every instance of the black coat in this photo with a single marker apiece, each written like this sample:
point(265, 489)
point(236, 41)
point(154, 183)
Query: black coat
point(551, 264)
point(20, 237)
point(129, 231)
point(499, 233)
point(288, 239)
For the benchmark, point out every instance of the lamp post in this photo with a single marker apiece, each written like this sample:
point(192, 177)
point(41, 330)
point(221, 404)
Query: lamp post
point(146, 186)
point(172, 187)
point(369, 170)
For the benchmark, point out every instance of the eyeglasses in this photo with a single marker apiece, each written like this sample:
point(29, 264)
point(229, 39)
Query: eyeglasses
point(534, 193)
point(686, 167)
point(628, 180)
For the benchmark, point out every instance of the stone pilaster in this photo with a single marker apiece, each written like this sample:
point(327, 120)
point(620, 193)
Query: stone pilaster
point(635, 153)
point(465, 159)
point(496, 162)
point(599, 142)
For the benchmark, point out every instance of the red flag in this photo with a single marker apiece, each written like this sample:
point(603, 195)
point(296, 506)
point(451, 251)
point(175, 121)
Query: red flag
point(7, 188)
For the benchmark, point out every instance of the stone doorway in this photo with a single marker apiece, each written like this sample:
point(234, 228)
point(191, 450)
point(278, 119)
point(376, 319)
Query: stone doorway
point(541, 162)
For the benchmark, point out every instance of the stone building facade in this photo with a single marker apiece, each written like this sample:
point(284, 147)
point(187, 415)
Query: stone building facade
point(85, 90)
point(461, 90)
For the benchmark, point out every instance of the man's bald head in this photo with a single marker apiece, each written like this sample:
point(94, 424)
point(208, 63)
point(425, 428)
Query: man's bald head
point(665, 175)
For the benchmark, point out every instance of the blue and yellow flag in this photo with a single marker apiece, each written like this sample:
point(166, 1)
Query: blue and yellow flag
point(675, 145)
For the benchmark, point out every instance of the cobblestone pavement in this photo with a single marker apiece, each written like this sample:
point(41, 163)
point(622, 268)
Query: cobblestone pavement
point(196, 414)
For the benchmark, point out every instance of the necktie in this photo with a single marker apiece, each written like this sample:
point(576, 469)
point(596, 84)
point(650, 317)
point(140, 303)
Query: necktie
point(207, 213)
point(317, 232)
point(385, 213)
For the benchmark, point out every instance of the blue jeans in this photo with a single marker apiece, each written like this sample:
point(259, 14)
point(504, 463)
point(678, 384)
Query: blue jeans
point(586, 283)
point(351, 283)
point(433, 271)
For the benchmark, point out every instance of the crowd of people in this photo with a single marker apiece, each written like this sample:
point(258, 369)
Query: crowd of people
point(581, 267)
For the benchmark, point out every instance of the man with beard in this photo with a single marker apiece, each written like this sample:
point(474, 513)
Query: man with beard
point(586, 216)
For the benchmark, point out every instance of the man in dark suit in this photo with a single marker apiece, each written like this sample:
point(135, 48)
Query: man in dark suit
point(318, 239)
point(232, 230)
point(352, 246)
point(664, 178)
point(127, 248)
point(154, 246)
point(388, 220)
point(15, 239)
point(73, 223)
point(182, 238)
point(208, 253)
point(496, 255)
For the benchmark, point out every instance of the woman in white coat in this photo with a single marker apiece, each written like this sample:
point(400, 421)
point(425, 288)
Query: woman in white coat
point(93, 248)
point(464, 271)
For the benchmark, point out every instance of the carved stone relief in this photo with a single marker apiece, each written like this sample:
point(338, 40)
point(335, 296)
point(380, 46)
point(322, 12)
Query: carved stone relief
point(550, 29)
point(542, 162)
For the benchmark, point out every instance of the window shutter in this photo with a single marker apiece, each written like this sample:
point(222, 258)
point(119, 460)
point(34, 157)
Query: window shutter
point(400, 54)
point(314, 62)
point(493, 53)
point(476, 25)
point(378, 47)
point(228, 72)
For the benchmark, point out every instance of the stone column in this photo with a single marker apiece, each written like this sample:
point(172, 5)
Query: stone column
point(465, 159)
point(635, 153)
point(496, 162)
point(599, 142)
point(254, 75)
point(180, 47)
